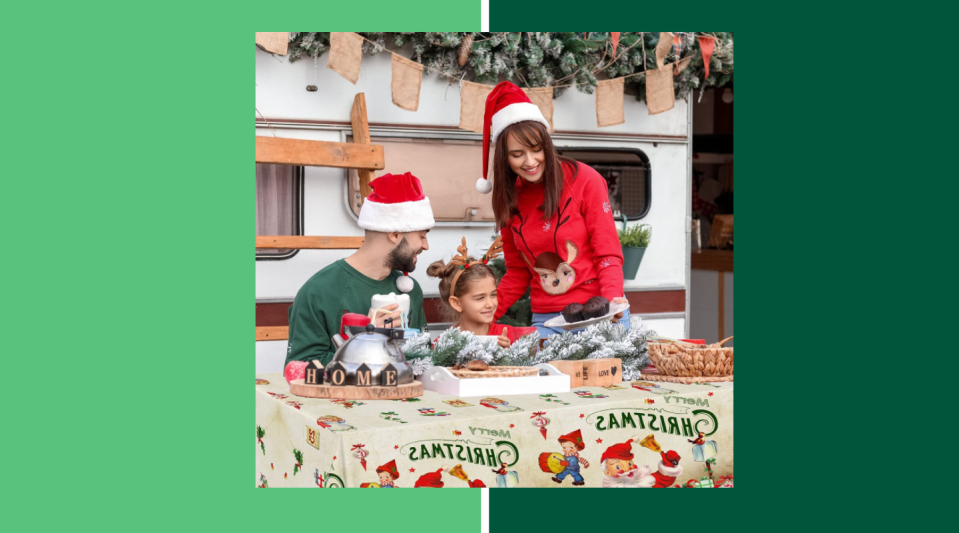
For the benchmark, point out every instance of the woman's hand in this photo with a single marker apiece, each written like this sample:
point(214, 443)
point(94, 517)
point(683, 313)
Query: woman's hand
point(619, 315)
point(503, 339)
point(381, 318)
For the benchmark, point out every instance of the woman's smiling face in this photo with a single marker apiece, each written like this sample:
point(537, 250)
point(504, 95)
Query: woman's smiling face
point(525, 161)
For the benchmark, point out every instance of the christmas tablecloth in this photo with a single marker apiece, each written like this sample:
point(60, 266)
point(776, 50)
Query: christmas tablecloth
point(509, 441)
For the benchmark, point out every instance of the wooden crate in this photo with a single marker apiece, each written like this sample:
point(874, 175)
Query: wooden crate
point(573, 369)
point(599, 372)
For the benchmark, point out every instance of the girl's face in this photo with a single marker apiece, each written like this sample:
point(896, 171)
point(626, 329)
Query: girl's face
point(479, 303)
point(525, 161)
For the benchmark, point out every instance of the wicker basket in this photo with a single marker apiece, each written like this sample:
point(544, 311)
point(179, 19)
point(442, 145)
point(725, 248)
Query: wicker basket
point(497, 372)
point(695, 360)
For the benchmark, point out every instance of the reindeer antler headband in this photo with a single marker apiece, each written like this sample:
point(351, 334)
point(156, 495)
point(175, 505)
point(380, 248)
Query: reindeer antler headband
point(461, 260)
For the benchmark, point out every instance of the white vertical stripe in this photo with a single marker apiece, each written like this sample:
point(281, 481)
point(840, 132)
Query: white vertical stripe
point(484, 26)
point(484, 492)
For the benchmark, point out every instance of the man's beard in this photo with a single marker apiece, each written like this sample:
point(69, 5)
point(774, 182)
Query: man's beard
point(402, 258)
point(625, 481)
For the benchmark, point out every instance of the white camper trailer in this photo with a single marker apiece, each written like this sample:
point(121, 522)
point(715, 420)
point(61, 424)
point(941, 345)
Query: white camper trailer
point(646, 161)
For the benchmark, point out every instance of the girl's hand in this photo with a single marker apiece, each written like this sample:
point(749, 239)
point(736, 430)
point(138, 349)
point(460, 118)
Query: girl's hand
point(503, 339)
point(619, 300)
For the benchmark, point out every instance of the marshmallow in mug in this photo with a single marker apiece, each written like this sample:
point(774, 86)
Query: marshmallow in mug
point(379, 301)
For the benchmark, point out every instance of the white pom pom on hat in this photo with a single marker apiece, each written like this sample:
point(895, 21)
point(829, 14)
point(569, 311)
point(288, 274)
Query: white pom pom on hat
point(484, 186)
point(404, 283)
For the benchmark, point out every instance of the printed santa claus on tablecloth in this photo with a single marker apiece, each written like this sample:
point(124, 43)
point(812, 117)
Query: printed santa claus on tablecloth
point(431, 480)
point(668, 469)
point(619, 471)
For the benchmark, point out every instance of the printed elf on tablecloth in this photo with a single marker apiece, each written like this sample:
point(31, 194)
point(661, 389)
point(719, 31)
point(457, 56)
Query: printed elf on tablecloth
point(572, 444)
point(619, 471)
point(388, 475)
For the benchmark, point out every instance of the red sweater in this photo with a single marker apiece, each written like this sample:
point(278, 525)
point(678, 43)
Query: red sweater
point(513, 333)
point(568, 259)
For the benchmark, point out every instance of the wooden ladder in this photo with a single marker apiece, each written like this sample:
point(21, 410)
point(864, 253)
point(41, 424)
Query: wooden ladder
point(359, 155)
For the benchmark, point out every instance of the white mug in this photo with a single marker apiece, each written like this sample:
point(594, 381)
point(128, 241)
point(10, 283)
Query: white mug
point(378, 301)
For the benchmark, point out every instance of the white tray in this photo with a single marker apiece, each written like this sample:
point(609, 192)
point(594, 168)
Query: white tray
point(560, 322)
point(439, 379)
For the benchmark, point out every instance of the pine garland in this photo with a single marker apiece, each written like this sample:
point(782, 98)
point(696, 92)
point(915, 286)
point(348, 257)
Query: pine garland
point(541, 59)
point(520, 314)
point(602, 340)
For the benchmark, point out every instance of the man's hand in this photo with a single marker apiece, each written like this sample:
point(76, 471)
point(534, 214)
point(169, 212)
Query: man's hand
point(381, 317)
point(503, 339)
point(619, 300)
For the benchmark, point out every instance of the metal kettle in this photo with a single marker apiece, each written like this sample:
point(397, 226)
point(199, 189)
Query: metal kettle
point(374, 347)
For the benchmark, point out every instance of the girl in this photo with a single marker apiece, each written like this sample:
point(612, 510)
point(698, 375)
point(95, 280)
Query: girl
point(553, 214)
point(469, 296)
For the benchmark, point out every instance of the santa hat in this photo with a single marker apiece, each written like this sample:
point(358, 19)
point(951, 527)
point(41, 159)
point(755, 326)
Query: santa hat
point(506, 105)
point(389, 468)
point(397, 203)
point(431, 480)
point(623, 451)
point(670, 458)
point(477, 484)
point(575, 437)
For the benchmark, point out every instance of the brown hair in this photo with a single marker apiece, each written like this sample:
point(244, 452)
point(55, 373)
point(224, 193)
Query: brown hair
point(529, 134)
point(445, 273)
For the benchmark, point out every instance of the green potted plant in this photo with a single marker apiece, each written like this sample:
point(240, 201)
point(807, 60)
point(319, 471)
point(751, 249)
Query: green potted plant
point(634, 241)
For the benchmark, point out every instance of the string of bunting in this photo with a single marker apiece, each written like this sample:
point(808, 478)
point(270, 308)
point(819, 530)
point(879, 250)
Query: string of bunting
point(346, 51)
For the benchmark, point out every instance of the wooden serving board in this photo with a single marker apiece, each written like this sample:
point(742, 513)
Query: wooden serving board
point(347, 392)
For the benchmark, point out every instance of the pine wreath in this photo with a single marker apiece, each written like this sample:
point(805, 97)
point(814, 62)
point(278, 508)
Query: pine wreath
point(299, 460)
point(260, 433)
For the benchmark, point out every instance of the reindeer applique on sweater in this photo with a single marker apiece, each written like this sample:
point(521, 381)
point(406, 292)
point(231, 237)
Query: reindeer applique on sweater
point(556, 275)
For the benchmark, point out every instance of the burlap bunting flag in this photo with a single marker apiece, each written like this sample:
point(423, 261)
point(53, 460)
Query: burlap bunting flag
point(609, 102)
point(407, 78)
point(473, 105)
point(543, 98)
point(659, 89)
point(274, 42)
point(663, 46)
point(346, 54)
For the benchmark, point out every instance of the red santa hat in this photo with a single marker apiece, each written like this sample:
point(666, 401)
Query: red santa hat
point(477, 484)
point(623, 451)
point(389, 468)
point(431, 480)
point(506, 105)
point(397, 203)
point(575, 437)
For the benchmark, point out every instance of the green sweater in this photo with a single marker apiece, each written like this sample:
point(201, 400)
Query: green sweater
point(322, 300)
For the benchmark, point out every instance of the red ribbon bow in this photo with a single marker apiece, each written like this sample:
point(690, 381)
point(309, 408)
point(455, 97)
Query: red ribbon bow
point(538, 413)
point(355, 446)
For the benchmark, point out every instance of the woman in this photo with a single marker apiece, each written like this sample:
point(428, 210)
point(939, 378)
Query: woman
point(553, 213)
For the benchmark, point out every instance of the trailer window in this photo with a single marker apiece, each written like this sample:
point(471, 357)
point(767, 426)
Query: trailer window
point(447, 169)
point(627, 174)
point(279, 204)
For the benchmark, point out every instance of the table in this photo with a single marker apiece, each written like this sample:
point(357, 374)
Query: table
point(307, 442)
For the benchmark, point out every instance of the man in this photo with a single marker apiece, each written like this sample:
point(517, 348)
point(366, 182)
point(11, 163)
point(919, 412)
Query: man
point(619, 470)
point(396, 216)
